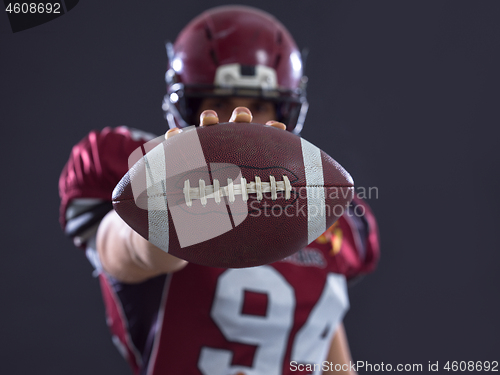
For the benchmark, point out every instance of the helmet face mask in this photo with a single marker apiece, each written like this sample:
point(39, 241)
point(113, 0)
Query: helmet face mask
point(214, 56)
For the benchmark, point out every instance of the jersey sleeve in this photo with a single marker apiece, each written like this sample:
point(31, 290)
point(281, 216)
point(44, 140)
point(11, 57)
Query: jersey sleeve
point(353, 241)
point(96, 164)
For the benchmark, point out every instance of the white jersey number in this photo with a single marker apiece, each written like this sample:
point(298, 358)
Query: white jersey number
point(313, 340)
point(270, 333)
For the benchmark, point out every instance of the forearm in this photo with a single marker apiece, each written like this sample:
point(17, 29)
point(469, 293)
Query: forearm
point(129, 257)
point(339, 353)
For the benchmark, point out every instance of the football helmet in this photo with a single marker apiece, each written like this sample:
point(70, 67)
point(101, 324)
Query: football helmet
point(235, 51)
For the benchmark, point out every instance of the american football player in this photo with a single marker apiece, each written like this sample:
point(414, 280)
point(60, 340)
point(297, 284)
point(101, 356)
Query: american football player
point(167, 316)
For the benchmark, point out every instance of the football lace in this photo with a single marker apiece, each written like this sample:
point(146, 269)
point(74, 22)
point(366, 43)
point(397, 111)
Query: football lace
point(204, 192)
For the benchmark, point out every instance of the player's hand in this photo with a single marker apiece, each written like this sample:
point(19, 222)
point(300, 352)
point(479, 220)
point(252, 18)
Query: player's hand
point(240, 114)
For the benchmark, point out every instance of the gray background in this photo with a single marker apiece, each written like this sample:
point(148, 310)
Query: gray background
point(404, 94)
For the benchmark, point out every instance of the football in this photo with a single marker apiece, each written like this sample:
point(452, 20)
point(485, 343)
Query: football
point(232, 195)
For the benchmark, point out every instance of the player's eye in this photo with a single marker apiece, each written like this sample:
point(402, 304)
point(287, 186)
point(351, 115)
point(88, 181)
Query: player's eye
point(215, 104)
point(263, 108)
point(218, 104)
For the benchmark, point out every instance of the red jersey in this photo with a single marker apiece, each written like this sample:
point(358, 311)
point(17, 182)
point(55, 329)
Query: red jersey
point(204, 320)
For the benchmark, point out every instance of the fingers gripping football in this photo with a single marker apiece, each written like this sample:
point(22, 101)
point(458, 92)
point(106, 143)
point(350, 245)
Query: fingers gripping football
point(240, 114)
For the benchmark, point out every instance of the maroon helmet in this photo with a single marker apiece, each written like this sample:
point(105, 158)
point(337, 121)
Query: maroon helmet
point(235, 51)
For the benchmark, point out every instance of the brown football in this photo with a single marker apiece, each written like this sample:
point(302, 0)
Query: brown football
point(233, 195)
